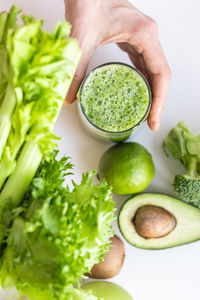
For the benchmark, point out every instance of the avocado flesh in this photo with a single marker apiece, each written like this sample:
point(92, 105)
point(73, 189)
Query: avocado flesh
point(187, 228)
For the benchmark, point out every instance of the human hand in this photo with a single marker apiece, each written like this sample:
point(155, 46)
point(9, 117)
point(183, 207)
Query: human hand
point(95, 23)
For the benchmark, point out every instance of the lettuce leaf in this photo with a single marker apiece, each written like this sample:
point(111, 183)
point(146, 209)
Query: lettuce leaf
point(49, 236)
point(58, 235)
point(36, 70)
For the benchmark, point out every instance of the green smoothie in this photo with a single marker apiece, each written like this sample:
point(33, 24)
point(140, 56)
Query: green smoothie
point(115, 97)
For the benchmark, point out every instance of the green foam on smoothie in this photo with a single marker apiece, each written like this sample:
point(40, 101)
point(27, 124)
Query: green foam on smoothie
point(115, 97)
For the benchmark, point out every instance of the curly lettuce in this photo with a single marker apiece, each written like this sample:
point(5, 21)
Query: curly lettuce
point(49, 236)
point(58, 235)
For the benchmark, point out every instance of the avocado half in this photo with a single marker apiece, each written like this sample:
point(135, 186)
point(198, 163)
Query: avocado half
point(187, 229)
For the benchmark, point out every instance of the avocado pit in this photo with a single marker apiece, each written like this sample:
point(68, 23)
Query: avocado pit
point(153, 222)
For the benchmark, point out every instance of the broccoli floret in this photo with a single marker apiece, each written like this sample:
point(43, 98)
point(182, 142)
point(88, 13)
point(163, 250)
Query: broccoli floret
point(185, 146)
point(188, 189)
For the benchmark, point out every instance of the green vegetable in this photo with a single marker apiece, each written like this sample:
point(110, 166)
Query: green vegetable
point(49, 237)
point(36, 69)
point(57, 235)
point(185, 146)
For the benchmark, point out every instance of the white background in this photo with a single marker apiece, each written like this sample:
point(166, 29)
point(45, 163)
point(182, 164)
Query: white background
point(154, 275)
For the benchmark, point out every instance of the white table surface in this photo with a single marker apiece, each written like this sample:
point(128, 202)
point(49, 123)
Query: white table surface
point(154, 275)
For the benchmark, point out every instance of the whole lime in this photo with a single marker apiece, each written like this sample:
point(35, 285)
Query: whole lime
point(127, 167)
point(107, 290)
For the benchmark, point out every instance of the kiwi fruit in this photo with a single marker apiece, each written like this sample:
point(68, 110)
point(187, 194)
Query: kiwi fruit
point(112, 263)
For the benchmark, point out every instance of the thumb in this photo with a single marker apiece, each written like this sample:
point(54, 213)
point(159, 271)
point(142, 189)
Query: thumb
point(78, 77)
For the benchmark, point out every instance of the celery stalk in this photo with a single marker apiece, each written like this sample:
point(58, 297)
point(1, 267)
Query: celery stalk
point(3, 20)
point(10, 22)
point(26, 168)
point(6, 110)
point(39, 67)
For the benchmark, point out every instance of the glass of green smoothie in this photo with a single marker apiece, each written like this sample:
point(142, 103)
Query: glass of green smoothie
point(114, 101)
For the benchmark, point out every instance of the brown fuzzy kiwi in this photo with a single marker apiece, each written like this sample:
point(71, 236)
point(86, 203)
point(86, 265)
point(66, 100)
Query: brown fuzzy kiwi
point(112, 263)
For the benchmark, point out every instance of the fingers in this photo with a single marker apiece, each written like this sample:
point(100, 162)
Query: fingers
point(160, 83)
point(139, 63)
point(80, 15)
point(159, 73)
point(151, 61)
point(87, 42)
point(159, 76)
point(159, 86)
point(147, 55)
point(78, 77)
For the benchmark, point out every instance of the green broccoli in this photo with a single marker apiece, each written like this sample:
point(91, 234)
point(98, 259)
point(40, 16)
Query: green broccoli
point(185, 146)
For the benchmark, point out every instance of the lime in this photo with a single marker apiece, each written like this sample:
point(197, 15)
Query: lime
point(127, 167)
point(106, 290)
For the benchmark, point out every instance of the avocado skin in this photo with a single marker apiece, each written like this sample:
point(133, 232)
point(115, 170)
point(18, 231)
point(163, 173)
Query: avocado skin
point(193, 221)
